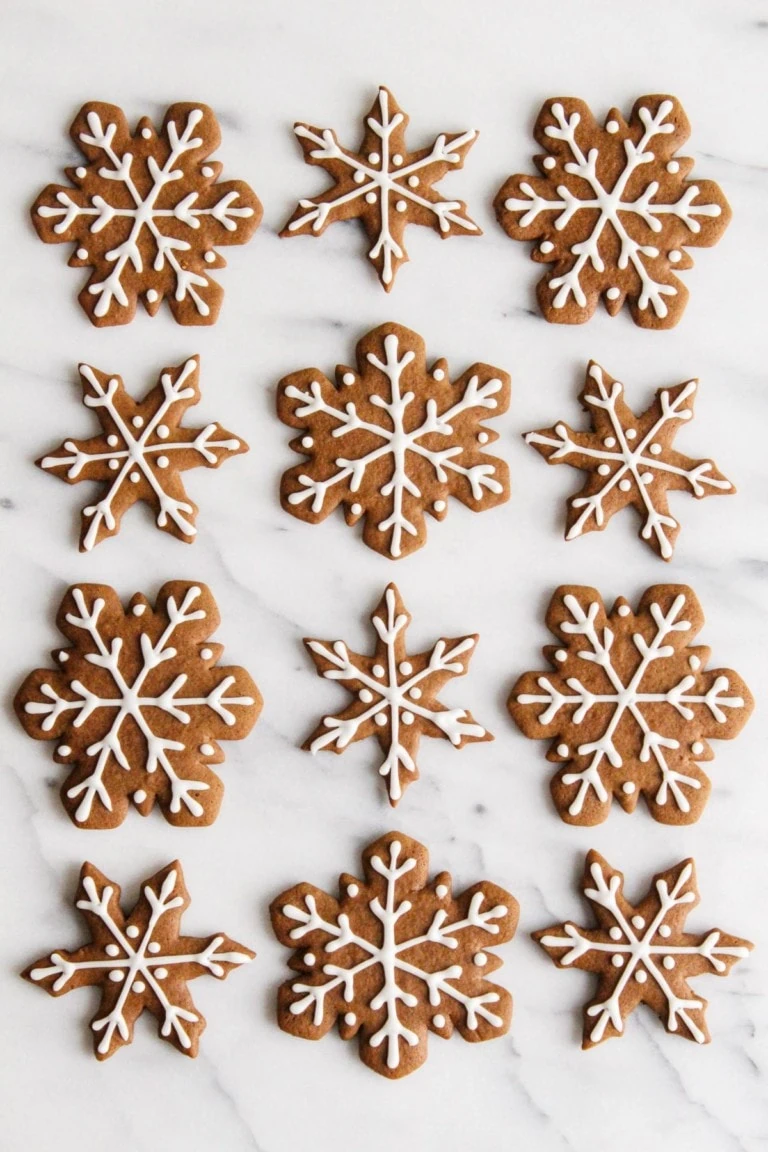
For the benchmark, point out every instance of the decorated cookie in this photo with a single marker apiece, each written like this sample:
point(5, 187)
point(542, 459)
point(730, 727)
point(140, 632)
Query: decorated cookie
point(138, 705)
point(630, 707)
point(147, 213)
point(394, 695)
point(641, 953)
point(139, 962)
point(613, 211)
point(394, 957)
point(141, 452)
point(392, 440)
point(629, 459)
point(383, 185)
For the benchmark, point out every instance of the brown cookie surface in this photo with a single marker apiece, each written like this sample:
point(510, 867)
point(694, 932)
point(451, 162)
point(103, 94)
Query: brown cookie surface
point(613, 211)
point(392, 440)
point(140, 961)
point(383, 185)
point(641, 953)
point(147, 213)
point(629, 705)
point(629, 460)
point(139, 704)
point(394, 957)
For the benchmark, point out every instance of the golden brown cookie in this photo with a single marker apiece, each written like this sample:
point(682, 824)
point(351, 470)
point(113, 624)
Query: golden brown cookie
point(641, 953)
point(147, 213)
point(629, 706)
point(139, 962)
point(394, 958)
point(613, 211)
point(383, 185)
point(392, 440)
point(138, 705)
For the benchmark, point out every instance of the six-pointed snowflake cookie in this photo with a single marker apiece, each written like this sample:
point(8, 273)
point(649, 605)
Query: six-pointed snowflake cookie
point(138, 705)
point(392, 440)
point(141, 452)
point(394, 694)
point(629, 459)
point(383, 185)
point(641, 953)
point(394, 957)
point(613, 211)
point(147, 213)
point(138, 962)
point(630, 707)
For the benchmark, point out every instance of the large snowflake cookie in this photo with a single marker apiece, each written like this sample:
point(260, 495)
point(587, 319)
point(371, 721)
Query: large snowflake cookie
point(147, 213)
point(139, 962)
point(613, 211)
point(141, 452)
point(392, 440)
point(394, 694)
point(383, 185)
point(629, 459)
point(630, 707)
point(394, 957)
point(138, 705)
point(641, 953)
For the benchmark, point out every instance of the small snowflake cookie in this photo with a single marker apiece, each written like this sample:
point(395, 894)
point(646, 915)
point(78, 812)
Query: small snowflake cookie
point(139, 962)
point(613, 211)
point(138, 705)
point(641, 953)
point(383, 185)
point(391, 440)
point(147, 213)
point(629, 459)
point(629, 706)
point(394, 958)
point(141, 452)
point(394, 694)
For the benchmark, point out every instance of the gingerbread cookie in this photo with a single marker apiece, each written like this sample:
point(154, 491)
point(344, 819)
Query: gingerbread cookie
point(139, 962)
point(141, 452)
point(147, 213)
point(613, 211)
point(394, 957)
point(641, 953)
point(138, 705)
point(629, 459)
point(383, 185)
point(392, 440)
point(394, 694)
point(630, 708)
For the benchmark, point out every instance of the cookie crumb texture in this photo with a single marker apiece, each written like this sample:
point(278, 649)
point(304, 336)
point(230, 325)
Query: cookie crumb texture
point(139, 962)
point(628, 705)
point(613, 211)
point(394, 958)
point(138, 705)
point(147, 213)
point(641, 953)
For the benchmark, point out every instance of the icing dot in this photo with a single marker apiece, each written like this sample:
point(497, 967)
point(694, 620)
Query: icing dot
point(309, 958)
point(610, 441)
point(114, 465)
point(482, 437)
point(668, 963)
point(138, 421)
point(112, 950)
point(631, 433)
point(625, 485)
point(628, 788)
point(146, 133)
point(209, 257)
point(561, 655)
point(397, 159)
point(655, 449)
point(641, 976)
point(140, 796)
point(307, 441)
point(406, 668)
point(206, 170)
point(350, 1018)
point(665, 930)
point(697, 747)
point(480, 959)
point(406, 717)
point(352, 890)
point(604, 469)
point(380, 719)
point(647, 478)
point(638, 922)
point(63, 656)
point(441, 891)
point(378, 670)
point(116, 975)
point(365, 695)
point(415, 693)
point(373, 157)
point(438, 1020)
point(132, 931)
point(348, 378)
point(673, 167)
point(694, 663)
point(613, 293)
point(356, 509)
point(82, 253)
point(549, 164)
point(154, 947)
point(617, 961)
point(135, 477)
point(438, 374)
point(675, 257)
point(64, 750)
point(113, 441)
point(163, 461)
point(160, 973)
point(546, 246)
point(624, 609)
point(615, 933)
point(562, 749)
point(401, 205)
point(205, 653)
point(413, 181)
point(439, 505)
point(139, 609)
point(612, 126)
point(138, 986)
point(162, 431)
point(206, 749)
point(370, 197)
point(80, 173)
point(152, 296)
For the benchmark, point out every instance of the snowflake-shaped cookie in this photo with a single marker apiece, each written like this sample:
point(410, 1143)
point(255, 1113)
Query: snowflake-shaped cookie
point(613, 211)
point(392, 440)
point(141, 452)
point(629, 459)
point(147, 213)
point(394, 694)
point(139, 704)
point(383, 185)
point(641, 953)
point(630, 707)
point(394, 957)
point(139, 961)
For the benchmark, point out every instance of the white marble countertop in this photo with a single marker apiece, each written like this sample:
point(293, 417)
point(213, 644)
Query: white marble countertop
point(486, 812)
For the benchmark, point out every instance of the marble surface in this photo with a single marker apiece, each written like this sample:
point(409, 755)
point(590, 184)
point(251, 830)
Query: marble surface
point(484, 812)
